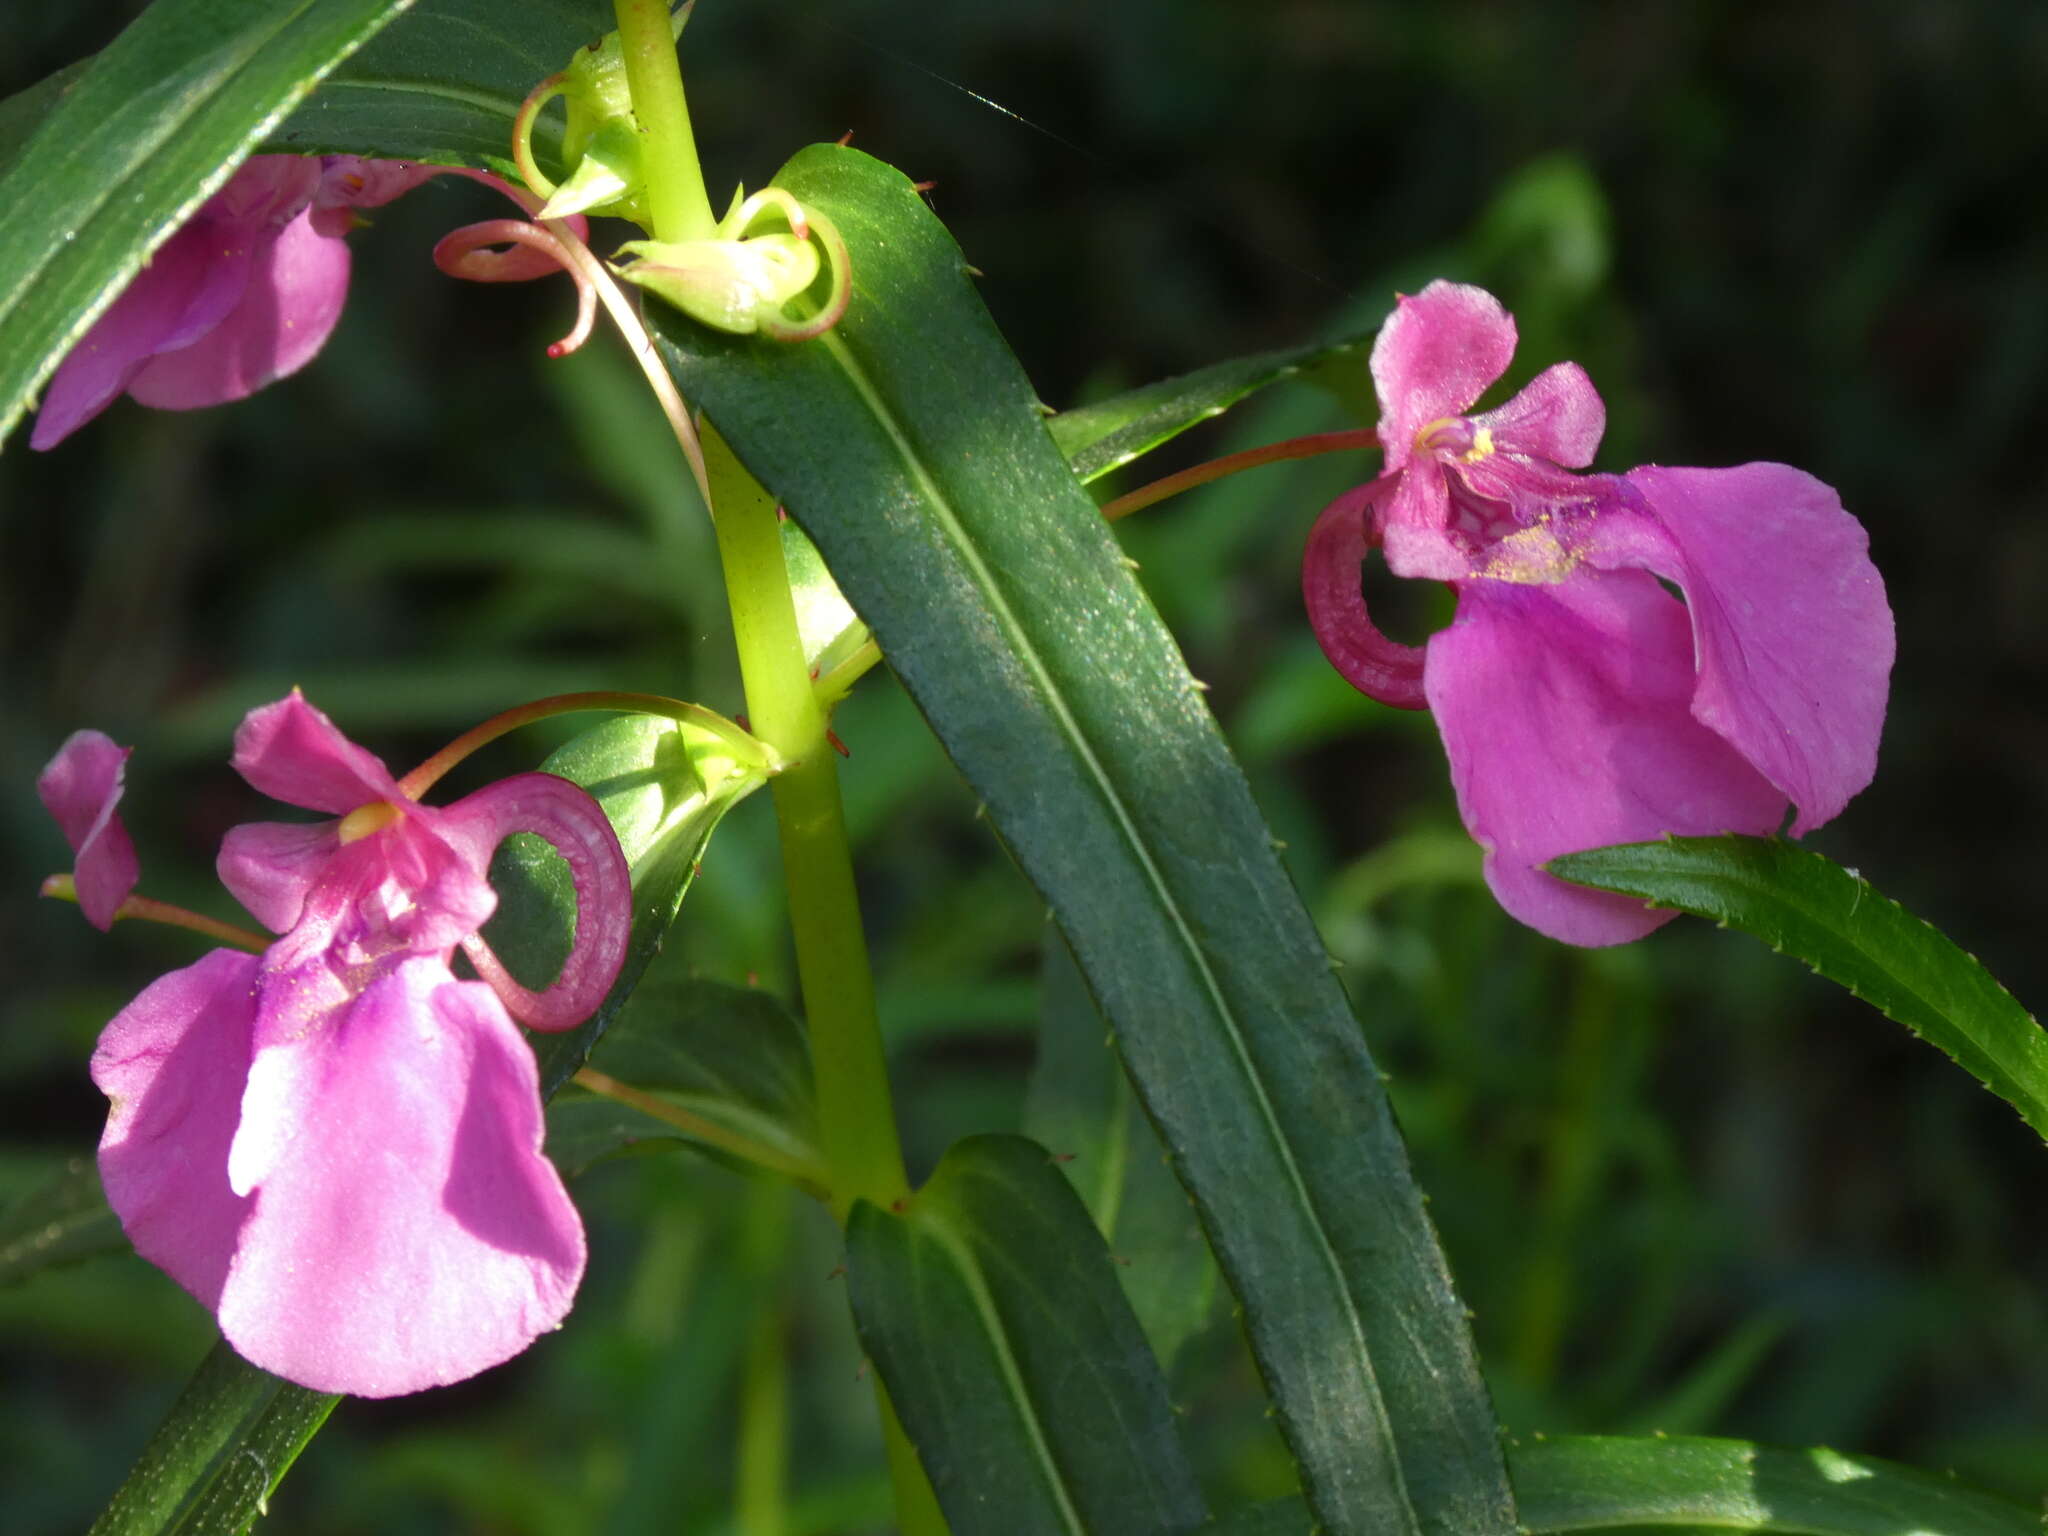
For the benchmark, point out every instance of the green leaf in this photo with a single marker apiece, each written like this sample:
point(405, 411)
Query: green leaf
point(443, 83)
point(226, 1444)
point(1110, 433)
point(1595, 1483)
point(911, 448)
point(1810, 908)
point(665, 784)
point(60, 1222)
point(992, 1311)
point(733, 1057)
point(1080, 1104)
point(136, 143)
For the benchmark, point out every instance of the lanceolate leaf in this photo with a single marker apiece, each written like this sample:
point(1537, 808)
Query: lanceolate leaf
point(135, 144)
point(991, 1309)
point(911, 448)
point(1593, 1483)
point(1081, 1106)
point(443, 83)
point(1101, 437)
point(1810, 908)
point(229, 1439)
point(60, 1222)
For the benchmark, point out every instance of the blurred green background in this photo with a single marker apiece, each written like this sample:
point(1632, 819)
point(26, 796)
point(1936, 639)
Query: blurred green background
point(1684, 1185)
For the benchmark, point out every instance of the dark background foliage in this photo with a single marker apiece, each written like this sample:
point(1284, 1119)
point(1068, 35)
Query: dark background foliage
point(1685, 1185)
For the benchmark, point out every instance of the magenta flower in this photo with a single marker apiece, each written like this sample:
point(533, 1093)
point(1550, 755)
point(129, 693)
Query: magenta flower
point(336, 1145)
point(80, 788)
point(243, 294)
point(1581, 703)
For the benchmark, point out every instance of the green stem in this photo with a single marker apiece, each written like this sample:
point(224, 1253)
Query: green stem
point(675, 182)
point(856, 1122)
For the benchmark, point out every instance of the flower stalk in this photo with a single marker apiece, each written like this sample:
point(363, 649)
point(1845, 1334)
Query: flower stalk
point(1234, 463)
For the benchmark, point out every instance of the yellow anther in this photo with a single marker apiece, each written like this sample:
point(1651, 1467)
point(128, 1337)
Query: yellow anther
point(1482, 445)
point(366, 819)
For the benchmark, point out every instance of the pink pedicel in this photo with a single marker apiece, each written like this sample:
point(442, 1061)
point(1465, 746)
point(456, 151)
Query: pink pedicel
point(1581, 704)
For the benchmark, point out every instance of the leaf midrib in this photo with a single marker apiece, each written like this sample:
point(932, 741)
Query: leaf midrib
point(1027, 650)
point(1013, 1376)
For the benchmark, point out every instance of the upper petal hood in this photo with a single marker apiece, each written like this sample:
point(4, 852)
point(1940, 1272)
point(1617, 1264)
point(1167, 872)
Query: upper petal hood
point(1434, 356)
point(294, 753)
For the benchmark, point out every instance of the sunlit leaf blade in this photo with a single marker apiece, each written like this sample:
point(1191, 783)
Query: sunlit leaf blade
point(1806, 906)
point(22, 113)
point(911, 448)
point(666, 785)
point(1595, 1483)
point(59, 1222)
point(1110, 433)
point(731, 1056)
point(992, 1311)
point(227, 1443)
point(137, 142)
point(442, 84)
point(1589, 1483)
point(1080, 1105)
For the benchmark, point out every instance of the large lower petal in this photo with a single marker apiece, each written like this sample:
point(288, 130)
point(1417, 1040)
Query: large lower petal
point(1793, 633)
point(1565, 711)
point(81, 787)
point(410, 1233)
point(190, 284)
point(298, 279)
point(172, 1063)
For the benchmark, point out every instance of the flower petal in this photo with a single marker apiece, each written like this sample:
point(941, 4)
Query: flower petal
point(1434, 356)
point(411, 1234)
point(269, 866)
point(1376, 666)
point(80, 787)
point(1558, 416)
point(1565, 711)
point(294, 753)
point(1789, 619)
point(172, 1063)
point(293, 296)
point(194, 279)
point(563, 814)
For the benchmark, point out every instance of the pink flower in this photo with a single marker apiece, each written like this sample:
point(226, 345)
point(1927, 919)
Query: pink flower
point(243, 294)
point(80, 788)
point(1581, 703)
point(336, 1145)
